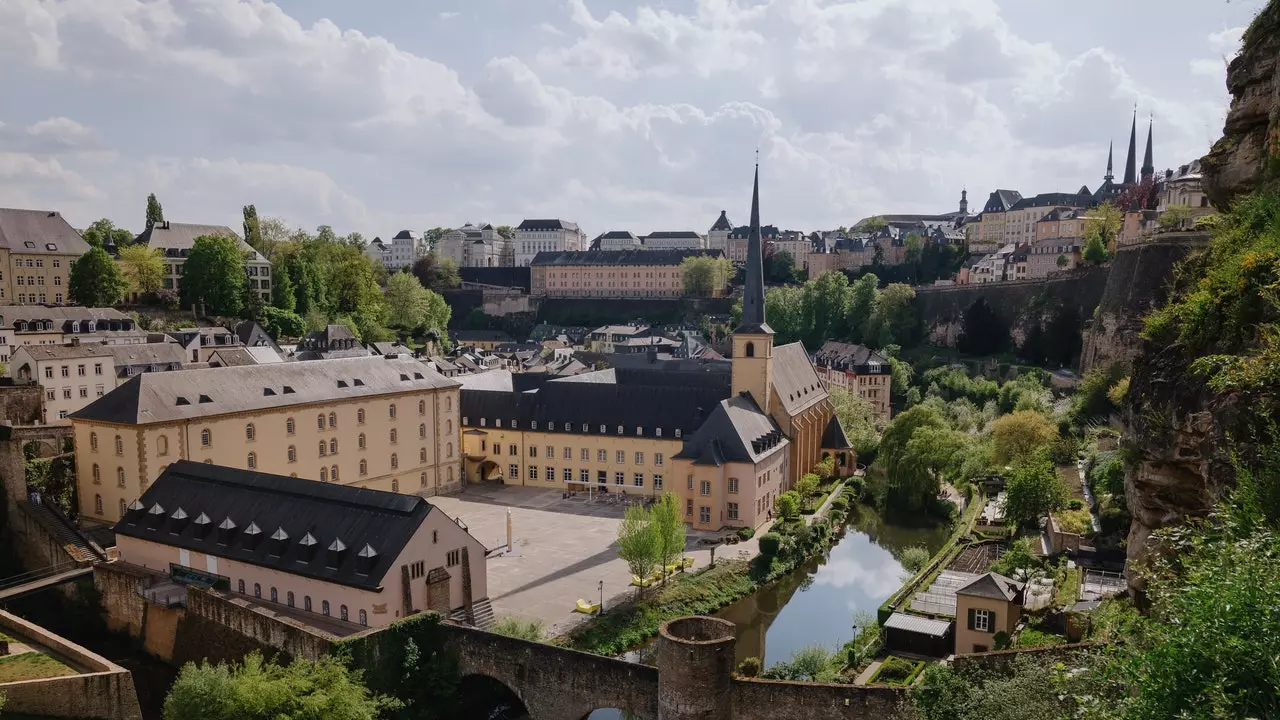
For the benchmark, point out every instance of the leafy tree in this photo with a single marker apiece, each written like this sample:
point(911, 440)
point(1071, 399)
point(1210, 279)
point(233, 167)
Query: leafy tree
point(281, 323)
point(824, 308)
point(894, 320)
point(912, 246)
point(436, 273)
point(407, 301)
point(1033, 490)
point(1018, 435)
point(807, 485)
point(872, 224)
point(1175, 216)
point(1103, 224)
point(1063, 262)
point(284, 296)
point(252, 227)
point(432, 237)
point(95, 280)
point(705, 276)
point(103, 230)
point(1091, 400)
point(302, 690)
point(858, 419)
point(770, 544)
point(669, 527)
point(1095, 252)
point(270, 234)
point(985, 333)
point(214, 275)
point(505, 231)
point(155, 213)
point(638, 541)
point(783, 308)
point(787, 505)
point(862, 302)
point(142, 268)
point(780, 267)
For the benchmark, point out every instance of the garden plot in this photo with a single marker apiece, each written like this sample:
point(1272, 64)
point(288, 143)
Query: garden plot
point(940, 597)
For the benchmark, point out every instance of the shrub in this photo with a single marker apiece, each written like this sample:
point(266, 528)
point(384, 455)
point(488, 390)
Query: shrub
point(746, 533)
point(914, 558)
point(787, 506)
point(770, 544)
point(895, 670)
point(841, 502)
point(1079, 522)
point(1017, 557)
point(517, 628)
point(1032, 638)
point(1075, 504)
point(749, 667)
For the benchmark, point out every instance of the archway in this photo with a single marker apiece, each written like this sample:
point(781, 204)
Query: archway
point(610, 714)
point(483, 698)
point(488, 471)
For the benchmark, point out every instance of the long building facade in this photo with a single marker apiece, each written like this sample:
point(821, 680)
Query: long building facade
point(612, 274)
point(387, 423)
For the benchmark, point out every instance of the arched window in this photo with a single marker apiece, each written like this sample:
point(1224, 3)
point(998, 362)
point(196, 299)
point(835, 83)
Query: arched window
point(293, 454)
point(395, 485)
point(97, 504)
point(288, 598)
point(93, 441)
point(395, 461)
point(342, 611)
point(364, 467)
point(333, 446)
point(240, 586)
point(448, 402)
point(360, 416)
point(120, 476)
point(360, 441)
point(333, 473)
point(324, 448)
point(97, 474)
point(119, 444)
point(320, 421)
point(333, 420)
point(422, 479)
point(252, 461)
point(123, 507)
point(274, 597)
point(448, 427)
point(422, 430)
point(391, 411)
point(206, 438)
point(450, 475)
point(324, 607)
point(248, 431)
point(448, 450)
point(364, 617)
point(394, 435)
point(422, 407)
point(306, 603)
point(289, 426)
point(162, 444)
point(324, 474)
point(422, 455)
point(751, 349)
point(257, 590)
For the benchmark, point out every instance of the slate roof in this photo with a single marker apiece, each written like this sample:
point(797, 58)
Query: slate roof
point(722, 222)
point(162, 397)
point(61, 317)
point(1052, 199)
point(41, 353)
point(546, 225)
point(794, 379)
point(45, 230)
point(234, 357)
point(994, 586)
point(177, 239)
point(355, 533)
point(673, 234)
point(850, 357)
point(264, 355)
point(737, 430)
point(834, 437)
point(1001, 200)
point(147, 354)
point(466, 336)
point(407, 235)
point(620, 257)
point(619, 235)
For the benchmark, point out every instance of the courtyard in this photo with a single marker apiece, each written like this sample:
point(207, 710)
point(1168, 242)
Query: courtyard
point(563, 549)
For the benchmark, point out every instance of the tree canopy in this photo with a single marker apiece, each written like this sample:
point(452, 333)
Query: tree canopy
point(155, 213)
point(142, 268)
point(1018, 435)
point(98, 233)
point(411, 306)
point(95, 280)
point(214, 275)
point(705, 276)
point(436, 273)
point(830, 308)
point(260, 690)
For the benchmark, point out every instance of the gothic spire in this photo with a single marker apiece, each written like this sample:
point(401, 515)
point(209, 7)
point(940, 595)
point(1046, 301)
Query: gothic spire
point(1111, 149)
point(1131, 163)
point(753, 294)
point(1148, 168)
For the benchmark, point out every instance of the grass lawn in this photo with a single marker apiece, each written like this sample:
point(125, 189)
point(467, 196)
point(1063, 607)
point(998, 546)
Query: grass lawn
point(31, 666)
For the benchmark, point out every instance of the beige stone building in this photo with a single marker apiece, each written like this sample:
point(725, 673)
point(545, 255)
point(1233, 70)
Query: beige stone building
point(37, 248)
point(340, 554)
point(375, 422)
point(43, 325)
point(612, 274)
point(989, 605)
point(858, 370)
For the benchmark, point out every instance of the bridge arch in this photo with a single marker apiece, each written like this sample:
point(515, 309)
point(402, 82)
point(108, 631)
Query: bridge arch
point(486, 698)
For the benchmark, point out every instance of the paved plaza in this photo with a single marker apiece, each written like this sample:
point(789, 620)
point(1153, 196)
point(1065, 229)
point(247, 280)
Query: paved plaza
point(563, 549)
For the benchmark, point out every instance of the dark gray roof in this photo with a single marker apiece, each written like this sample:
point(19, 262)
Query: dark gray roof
point(62, 317)
point(735, 431)
point(177, 239)
point(407, 235)
point(722, 222)
point(621, 257)
point(618, 235)
point(65, 352)
point(188, 504)
point(1052, 199)
point(466, 336)
point(850, 357)
point(834, 437)
point(673, 234)
point(1002, 200)
point(994, 586)
point(147, 354)
point(794, 379)
point(233, 357)
point(251, 334)
point(545, 225)
point(39, 231)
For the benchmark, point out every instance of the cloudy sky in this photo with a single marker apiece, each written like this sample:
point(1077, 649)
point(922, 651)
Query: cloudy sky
point(375, 115)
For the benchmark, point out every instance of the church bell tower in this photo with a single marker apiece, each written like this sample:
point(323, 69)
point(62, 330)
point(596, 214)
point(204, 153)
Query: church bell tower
point(753, 338)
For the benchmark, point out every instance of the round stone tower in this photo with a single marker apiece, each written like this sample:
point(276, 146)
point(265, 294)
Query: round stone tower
point(695, 669)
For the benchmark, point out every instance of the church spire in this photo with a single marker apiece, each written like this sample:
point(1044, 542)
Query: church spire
point(1111, 149)
point(1148, 167)
point(753, 294)
point(1131, 163)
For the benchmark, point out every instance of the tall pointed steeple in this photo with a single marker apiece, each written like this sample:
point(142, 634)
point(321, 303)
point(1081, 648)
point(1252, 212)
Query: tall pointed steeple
point(1131, 163)
point(1111, 149)
point(753, 294)
point(1148, 167)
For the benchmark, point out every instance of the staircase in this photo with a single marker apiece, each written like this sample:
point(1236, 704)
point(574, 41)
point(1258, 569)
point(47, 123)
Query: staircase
point(78, 546)
point(483, 610)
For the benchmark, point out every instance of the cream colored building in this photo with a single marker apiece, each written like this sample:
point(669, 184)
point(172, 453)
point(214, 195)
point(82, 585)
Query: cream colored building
point(859, 371)
point(1022, 219)
point(37, 248)
point(376, 422)
point(620, 274)
point(76, 374)
point(990, 604)
point(41, 325)
point(539, 236)
point(345, 556)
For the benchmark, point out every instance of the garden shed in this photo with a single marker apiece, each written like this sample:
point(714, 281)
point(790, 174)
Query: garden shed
point(918, 635)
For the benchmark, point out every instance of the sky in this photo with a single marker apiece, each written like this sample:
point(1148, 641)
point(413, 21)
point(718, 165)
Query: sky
point(378, 115)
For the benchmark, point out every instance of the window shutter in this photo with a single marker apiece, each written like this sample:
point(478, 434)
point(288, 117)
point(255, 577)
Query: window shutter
point(972, 614)
point(991, 621)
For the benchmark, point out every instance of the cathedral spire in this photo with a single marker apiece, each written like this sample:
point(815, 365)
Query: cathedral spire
point(1111, 149)
point(753, 294)
point(1131, 163)
point(1148, 167)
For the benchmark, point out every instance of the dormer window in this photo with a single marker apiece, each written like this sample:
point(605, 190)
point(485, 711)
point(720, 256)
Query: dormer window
point(496, 423)
point(639, 430)
point(677, 433)
point(657, 432)
point(533, 424)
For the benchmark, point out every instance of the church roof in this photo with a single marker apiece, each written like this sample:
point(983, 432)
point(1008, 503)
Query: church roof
point(834, 437)
point(735, 431)
point(794, 379)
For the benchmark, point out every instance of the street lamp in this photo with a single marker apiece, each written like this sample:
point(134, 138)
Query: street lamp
point(601, 611)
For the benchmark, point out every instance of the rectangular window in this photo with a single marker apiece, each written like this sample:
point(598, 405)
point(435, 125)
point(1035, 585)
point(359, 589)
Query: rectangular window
point(657, 459)
point(568, 453)
point(602, 478)
point(705, 487)
point(602, 456)
point(690, 482)
point(704, 514)
point(619, 478)
point(639, 458)
point(513, 472)
point(733, 485)
point(97, 368)
point(533, 451)
point(551, 474)
point(66, 393)
point(983, 620)
point(657, 482)
point(533, 472)
point(551, 453)
point(497, 448)
point(584, 476)
point(688, 507)
point(638, 480)
point(620, 457)
point(48, 371)
point(585, 455)
point(84, 392)
point(80, 370)
point(66, 371)
point(513, 450)
point(733, 511)
point(568, 475)
point(454, 558)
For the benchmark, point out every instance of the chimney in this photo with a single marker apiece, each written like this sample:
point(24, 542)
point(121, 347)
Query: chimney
point(279, 542)
point(178, 521)
point(252, 536)
point(307, 547)
point(202, 525)
point(365, 559)
point(334, 554)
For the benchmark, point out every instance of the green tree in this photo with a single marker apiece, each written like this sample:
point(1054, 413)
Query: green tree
point(284, 296)
point(252, 227)
point(505, 231)
point(1033, 490)
point(782, 268)
point(95, 280)
point(407, 301)
point(302, 690)
point(909, 485)
point(872, 224)
point(862, 302)
point(807, 486)
point(281, 323)
point(913, 244)
point(1063, 262)
point(436, 273)
point(858, 419)
point(783, 308)
point(103, 230)
point(214, 275)
point(1018, 435)
point(270, 234)
point(1095, 252)
point(824, 308)
point(668, 522)
point(705, 276)
point(787, 505)
point(155, 213)
point(1175, 216)
point(638, 541)
point(142, 268)
point(894, 320)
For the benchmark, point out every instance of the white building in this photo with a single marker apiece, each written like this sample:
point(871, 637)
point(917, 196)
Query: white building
point(403, 250)
point(674, 240)
point(378, 252)
point(72, 376)
point(535, 236)
point(718, 236)
point(175, 240)
point(616, 240)
point(476, 246)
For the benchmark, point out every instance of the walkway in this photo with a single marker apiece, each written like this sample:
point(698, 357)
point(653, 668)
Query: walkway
point(821, 512)
point(27, 583)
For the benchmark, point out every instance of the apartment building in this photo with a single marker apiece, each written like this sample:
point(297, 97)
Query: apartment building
point(354, 556)
point(37, 248)
point(617, 274)
point(616, 240)
point(1022, 219)
point(553, 236)
point(860, 371)
point(674, 240)
point(43, 325)
point(175, 240)
point(374, 422)
point(79, 373)
point(739, 241)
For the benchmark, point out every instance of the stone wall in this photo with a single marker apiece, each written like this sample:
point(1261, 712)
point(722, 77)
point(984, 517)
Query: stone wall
point(1001, 660)
point(20, 404)
point(103, 690)
point(263, 629)
point(1060, 541)
point(776, 700)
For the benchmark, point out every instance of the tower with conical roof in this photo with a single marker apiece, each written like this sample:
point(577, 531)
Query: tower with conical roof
point(1111, 149)
point(1131, 163)
point(1148, 167)
point(753, 338)
point(964, 201)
